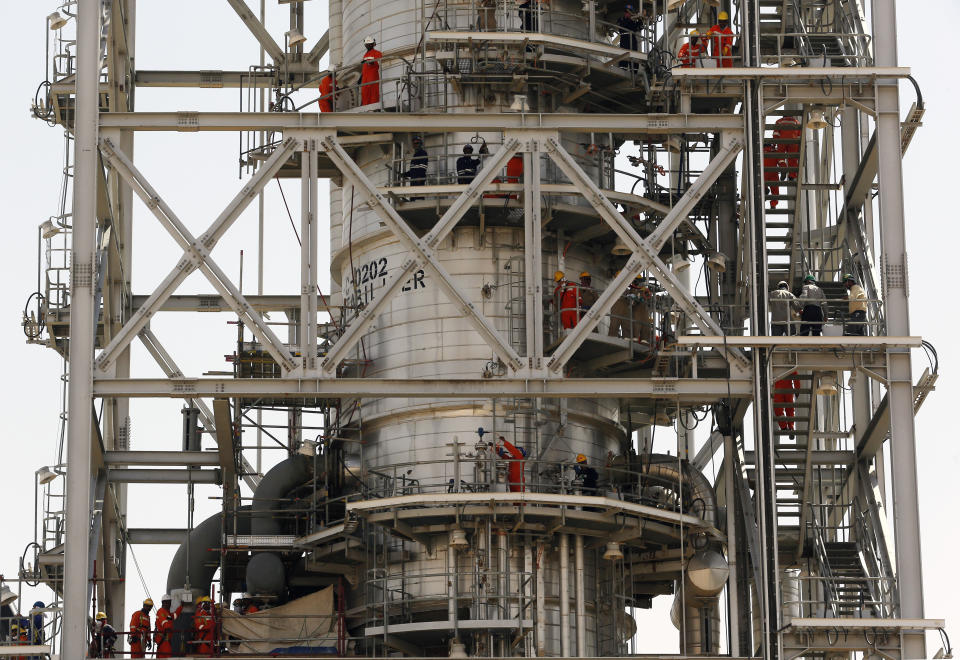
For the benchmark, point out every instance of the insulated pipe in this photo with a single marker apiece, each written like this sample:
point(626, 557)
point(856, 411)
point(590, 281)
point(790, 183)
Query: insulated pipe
point(452, 591)
point(581, 597)
point(700, 488)
point(199, 556)
point(564, 596)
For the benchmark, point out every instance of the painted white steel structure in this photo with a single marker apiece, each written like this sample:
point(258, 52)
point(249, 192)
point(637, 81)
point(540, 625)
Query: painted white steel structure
point(456, 330)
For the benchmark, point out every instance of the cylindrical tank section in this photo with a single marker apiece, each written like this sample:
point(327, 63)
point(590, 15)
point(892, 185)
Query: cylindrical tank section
point(479, 588)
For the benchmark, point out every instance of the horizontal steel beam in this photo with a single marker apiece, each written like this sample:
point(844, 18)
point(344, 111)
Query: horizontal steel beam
point(169, 458)
point(136, 476)
point(206, 79)
point(845, 74)
point(414, 122)
point(154, 536)
point(683, 389)
point(801, 342)
point(216, 303)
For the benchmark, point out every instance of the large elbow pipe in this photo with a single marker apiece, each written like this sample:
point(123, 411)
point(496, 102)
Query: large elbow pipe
point(266, 574)
point(695, 484)
point(197, 560)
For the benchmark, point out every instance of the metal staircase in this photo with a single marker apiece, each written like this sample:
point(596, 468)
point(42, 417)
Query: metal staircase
point(781, 224)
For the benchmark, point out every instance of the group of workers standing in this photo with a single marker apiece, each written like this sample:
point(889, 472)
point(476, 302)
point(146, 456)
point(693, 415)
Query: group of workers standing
point(197, 639)
point(718, 41)
point(785, 307)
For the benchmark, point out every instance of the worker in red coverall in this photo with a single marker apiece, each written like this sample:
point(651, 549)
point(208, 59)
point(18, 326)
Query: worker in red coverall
point(140, 630)
point(565, 293)
point(721, 46)
point(788, 128)
point(370, 73)
point(691, 51)
point(788, 383)
point(326, 93)
point(517, 456)
point(204, 628)
point(163, 637)
point(770, 174)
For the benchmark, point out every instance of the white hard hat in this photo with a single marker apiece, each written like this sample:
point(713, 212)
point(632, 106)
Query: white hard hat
point(369, 41)
point(165, 597)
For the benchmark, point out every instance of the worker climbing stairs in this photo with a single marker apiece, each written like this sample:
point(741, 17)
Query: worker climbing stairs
point(783, 154)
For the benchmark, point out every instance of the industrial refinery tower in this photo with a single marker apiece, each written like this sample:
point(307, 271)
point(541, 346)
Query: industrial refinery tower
point(555, 228)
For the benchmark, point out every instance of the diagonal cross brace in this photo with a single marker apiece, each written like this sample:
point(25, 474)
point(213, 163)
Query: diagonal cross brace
point(645, 251)
point(431, 239)
point(170, 368)
point(421, 249)
point(259, 32)
point(196, 254)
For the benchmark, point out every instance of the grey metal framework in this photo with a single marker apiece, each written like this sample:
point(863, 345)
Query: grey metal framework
point(777, 160)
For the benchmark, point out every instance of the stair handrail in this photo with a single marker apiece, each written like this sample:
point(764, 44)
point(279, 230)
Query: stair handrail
point(831, 593)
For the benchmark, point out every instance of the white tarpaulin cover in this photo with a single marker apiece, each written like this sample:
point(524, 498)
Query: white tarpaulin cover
point(307, 621)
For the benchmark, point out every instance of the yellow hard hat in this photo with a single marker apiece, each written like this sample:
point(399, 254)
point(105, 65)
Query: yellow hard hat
point(148, 601)
point(203, 599)
point(584, 274)
point(724, 16)
point(100, 616)
point(581, 458)
point(694, 32)
point(557, 276)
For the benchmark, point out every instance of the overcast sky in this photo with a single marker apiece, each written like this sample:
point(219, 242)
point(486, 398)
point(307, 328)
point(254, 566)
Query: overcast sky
point(197, 174)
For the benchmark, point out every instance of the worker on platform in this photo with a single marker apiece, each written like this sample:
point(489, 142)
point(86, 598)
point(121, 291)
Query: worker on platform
point(467, 164)
point(587, 475)
point(164, 627)
point(783, 306)
point(370, 73)
point(565, 295)
point(38, 623)
point(721, 41)
point(628, 27)
point(204, 628)
point(418, 164)
point(856, 324)
point(770, 174)
point(327, 96)
point(19, 636)
point(517, 457)
point(586, 294)
point(783, 394)
point(691, 51)
point(788, 128)
point(103, 639)
point(530, 15)
point(487, 15)
point(811, 311)
point(140, 629)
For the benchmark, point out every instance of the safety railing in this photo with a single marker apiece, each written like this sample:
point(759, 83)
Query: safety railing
point(634, 33)
point(482, 470)
point(38, 627)
point(837, 318)
point(705, 51)
point(397, 598)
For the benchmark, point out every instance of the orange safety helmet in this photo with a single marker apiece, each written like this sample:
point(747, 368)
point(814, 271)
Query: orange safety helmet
point(557, 276)
point(581, 458)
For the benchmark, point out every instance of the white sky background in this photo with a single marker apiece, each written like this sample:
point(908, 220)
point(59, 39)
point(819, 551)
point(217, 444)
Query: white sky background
point(197, 175)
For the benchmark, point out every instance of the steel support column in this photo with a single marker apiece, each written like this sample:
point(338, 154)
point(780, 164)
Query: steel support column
point(906, 510)
point(309, 232)
point(82, 333)
point(765, 492)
